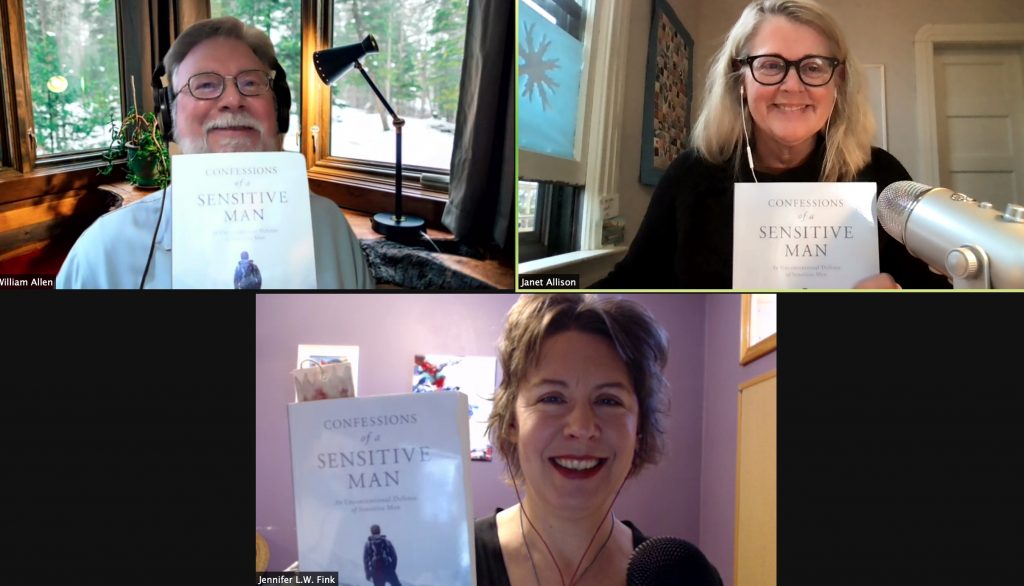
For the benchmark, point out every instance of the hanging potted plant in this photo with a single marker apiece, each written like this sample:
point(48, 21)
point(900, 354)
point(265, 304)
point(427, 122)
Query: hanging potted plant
point(140, 141)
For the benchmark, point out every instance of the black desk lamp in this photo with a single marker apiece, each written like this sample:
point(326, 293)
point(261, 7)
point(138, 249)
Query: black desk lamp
point(331, 64)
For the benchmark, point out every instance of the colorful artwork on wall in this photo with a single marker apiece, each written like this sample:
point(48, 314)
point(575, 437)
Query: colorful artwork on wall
point(669, 93)
point(472, 375)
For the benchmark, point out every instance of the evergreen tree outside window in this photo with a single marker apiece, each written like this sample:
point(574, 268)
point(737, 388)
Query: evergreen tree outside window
point(418, 69)
point(73, 71)
point(281, 20)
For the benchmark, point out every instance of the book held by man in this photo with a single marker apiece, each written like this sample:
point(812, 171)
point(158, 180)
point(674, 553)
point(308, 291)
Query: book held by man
point(241, 221)
point(382, 490)
point(803, 235)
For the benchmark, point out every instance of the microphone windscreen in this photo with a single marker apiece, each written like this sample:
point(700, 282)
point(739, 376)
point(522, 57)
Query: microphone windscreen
point(894, 206)
point(664, 561)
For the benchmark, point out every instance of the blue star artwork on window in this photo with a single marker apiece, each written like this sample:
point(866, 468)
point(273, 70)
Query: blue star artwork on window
point(550, 66)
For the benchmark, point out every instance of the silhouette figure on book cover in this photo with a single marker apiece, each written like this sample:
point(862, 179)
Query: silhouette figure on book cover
point(380, 559)
point(247, 274)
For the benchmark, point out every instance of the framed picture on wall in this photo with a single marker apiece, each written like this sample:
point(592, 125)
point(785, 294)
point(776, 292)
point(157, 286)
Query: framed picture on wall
point(757, 326)
point(473, 376)
point(668, 94)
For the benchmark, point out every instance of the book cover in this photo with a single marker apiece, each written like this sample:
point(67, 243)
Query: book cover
point(397, 463)
point(803, 235)
point(241, 221)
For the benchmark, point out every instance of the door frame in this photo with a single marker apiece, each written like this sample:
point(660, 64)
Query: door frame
point(925, 41)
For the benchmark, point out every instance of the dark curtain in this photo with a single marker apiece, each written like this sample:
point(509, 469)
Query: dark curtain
point(481, 204)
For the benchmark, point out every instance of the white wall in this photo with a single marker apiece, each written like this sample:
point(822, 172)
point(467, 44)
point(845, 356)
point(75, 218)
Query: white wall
point(879, 31)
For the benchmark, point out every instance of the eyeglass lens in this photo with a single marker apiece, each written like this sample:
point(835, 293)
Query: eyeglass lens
point(207, 86)
point(772, 70)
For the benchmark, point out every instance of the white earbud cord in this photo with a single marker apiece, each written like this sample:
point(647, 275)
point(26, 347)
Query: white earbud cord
point(743, 116)
point(743, 120)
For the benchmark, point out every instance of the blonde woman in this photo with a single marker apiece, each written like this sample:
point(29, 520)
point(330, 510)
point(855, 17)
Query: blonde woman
point(783, 103)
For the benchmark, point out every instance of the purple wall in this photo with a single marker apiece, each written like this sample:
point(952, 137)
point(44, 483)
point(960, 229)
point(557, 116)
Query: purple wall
point(722, 378)
point(390, 328)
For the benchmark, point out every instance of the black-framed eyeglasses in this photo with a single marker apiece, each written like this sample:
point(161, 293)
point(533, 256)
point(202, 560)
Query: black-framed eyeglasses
point(813, 70)
point(210, 86)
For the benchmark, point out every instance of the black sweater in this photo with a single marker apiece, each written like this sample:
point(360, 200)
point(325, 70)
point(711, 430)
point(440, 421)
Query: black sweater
point(685, 239)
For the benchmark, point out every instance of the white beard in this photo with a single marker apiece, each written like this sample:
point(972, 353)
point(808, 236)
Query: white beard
point(267, 142)
point(232, 145)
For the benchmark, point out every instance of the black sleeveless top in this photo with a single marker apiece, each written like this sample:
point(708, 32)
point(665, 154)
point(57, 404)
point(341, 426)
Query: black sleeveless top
point(490, 564)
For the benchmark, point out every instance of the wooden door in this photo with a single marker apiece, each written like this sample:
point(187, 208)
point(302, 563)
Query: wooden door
point(979, 103)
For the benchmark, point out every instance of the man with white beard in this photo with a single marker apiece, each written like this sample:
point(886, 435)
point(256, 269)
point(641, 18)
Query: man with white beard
point(220, 77)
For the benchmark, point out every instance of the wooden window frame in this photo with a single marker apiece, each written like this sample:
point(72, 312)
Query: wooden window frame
point(359, 185)
point(27, 175)
point(753, 347)
point(16, 97)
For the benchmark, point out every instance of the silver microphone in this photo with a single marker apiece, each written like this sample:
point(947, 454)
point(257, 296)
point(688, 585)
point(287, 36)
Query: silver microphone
point(971, 242)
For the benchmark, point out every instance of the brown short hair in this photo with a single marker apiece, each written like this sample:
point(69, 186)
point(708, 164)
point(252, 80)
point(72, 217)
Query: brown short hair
point(639, 340)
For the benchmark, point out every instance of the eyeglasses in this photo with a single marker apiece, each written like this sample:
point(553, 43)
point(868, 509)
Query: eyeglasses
point(210, 86)
point(813, 70)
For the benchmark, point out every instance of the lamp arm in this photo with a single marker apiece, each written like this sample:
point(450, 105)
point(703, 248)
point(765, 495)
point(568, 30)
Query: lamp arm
point(380, 96)
point(398, 123)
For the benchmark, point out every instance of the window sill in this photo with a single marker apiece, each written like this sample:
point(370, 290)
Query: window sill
point(492, 272)
point(47, 180)
point(371, 194)
point(568, 260)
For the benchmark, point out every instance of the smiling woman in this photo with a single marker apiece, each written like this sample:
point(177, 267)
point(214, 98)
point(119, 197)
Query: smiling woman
point(783, 103)
point(579, 412)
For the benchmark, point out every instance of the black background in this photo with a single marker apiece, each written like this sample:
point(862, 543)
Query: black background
point(127, 437)
point(900, 438)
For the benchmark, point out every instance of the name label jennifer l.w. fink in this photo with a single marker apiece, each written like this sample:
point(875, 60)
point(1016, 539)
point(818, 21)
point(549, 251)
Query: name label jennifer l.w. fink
point(803, 235)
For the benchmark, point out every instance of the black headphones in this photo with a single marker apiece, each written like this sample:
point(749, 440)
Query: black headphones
point(164, 97)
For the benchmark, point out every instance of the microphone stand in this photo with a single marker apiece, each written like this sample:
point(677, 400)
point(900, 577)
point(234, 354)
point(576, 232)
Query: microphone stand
point(398, 225)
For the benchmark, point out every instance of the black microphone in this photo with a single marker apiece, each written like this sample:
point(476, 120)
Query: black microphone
point(670, 561)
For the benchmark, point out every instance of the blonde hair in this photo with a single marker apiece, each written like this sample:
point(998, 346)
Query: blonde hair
point(628, 326)
point(718, 132)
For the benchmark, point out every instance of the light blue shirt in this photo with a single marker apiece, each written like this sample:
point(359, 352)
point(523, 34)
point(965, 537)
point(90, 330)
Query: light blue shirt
point(112, 252)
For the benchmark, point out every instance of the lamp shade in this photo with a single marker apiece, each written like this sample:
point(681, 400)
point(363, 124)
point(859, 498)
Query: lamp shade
point(333, 63)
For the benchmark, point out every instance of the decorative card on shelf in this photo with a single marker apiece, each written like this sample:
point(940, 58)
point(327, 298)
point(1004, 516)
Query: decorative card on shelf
point(803, 235)
point(241, 221)
point(471, 375)
point(397, 463)
point(613, 231)
point(317, 381)
point(328, 354)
